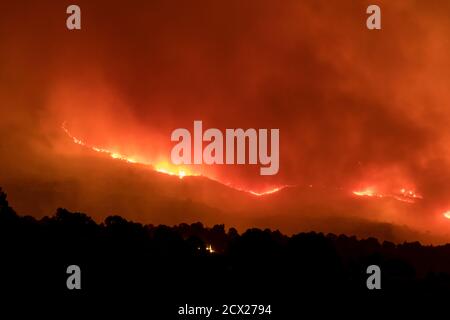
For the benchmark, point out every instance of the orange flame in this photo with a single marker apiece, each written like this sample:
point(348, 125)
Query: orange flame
point(161, 167)
point(259, 194)
point(369, 192)
point(403, 195)
point(164, 167)
point(446, 214)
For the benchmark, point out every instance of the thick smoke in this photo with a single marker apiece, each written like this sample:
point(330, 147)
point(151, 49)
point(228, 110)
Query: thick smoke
point(355, 108)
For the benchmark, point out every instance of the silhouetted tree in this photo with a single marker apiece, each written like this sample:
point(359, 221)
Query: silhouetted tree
point(120, 257)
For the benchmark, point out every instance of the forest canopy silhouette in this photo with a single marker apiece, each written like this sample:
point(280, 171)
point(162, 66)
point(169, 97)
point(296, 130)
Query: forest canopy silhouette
point(122, 258)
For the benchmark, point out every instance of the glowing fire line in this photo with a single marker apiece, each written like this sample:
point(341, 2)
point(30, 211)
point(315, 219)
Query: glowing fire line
point(403, 195)
point(160, 167)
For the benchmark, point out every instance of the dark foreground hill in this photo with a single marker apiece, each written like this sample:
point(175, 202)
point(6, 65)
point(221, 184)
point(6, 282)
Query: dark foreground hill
point(162, 268)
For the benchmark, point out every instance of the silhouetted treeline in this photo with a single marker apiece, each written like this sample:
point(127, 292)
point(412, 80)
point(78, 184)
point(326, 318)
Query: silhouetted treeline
point(188, 263)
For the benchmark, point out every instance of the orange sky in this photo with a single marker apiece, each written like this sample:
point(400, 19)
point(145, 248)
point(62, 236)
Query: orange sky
point(355, 108)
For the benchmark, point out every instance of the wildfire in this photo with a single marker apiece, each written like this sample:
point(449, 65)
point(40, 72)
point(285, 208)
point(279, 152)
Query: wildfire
point(407, 195)
point(161, 167)
point(369, 192)
point(446, 214)
point(403, 194)
point(210, 249)
point(164, 167)
point(259, 194)
point(113, 155)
